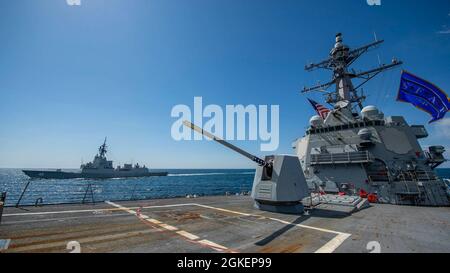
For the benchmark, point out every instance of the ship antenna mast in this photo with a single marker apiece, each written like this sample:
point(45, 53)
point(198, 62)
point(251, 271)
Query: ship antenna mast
point(341, 58)
point(102, 149)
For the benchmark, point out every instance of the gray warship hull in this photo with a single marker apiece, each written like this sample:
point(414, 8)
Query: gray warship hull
point(75, 175)
point(99, 168)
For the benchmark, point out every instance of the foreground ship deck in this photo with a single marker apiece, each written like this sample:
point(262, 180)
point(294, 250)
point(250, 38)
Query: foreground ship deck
point(221, 224)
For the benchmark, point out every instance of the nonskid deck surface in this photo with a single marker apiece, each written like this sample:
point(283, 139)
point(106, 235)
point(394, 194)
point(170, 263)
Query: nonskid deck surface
point(221, 224)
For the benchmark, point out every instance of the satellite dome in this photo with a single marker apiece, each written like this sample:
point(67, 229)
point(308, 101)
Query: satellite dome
point(316, 121)
point(370, 112)
point(365, 134)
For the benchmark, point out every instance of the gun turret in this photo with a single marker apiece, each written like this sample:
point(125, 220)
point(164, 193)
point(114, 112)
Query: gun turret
point(279, 184)
point(253, 158)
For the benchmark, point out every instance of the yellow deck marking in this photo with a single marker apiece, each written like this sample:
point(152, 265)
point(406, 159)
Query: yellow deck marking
point(213, 245)
point(154, 221)
point(183, 233)
point(329, 247)
point(168, 227)
point(188, 235)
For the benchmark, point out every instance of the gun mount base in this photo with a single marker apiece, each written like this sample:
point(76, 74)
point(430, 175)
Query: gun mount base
point(282, 188)
point(284, 208)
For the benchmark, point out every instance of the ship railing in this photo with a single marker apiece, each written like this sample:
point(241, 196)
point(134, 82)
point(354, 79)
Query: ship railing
point(342, 158)
point(379, 176)
point(425, 175)
point(416, 176)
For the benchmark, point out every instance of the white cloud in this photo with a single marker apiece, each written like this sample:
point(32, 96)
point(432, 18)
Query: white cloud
point(442, 128)
point(445, 31)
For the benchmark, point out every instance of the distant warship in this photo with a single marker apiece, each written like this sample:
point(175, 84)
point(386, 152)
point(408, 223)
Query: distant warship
point(100, 168)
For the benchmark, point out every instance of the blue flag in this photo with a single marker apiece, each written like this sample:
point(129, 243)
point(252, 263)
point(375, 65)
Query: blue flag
point(423, 95)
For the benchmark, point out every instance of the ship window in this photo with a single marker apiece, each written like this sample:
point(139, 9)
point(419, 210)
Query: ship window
point(345, 127)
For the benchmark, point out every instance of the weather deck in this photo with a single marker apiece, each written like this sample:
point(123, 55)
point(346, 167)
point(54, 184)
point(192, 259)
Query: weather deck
point(221, 224)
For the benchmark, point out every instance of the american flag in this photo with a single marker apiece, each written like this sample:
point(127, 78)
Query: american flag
point(320, 109)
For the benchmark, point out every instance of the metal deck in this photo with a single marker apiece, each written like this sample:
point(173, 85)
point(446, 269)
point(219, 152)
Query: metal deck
point(221, 224)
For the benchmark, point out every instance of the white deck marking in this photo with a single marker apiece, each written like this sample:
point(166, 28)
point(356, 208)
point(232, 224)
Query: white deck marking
point(213, 245)
point(183, 233)
point(154, 221)
point(168, 227)
point(329, 247)
point(224, 210)
point(188, 235)
point(304, 226)
point(91, 210)
point(57, 212)
point(63, 243)
point(333, 244)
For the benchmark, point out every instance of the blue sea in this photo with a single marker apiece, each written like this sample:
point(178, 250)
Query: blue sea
point(179, 183)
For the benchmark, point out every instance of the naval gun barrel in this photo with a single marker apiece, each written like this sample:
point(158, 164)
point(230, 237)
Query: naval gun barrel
point(256, 159)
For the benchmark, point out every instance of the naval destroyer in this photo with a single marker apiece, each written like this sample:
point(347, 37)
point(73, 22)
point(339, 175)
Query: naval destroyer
point(99, 168)
point(363, 152)
point(351, 152)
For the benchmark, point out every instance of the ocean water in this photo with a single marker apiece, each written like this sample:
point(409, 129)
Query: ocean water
point(179, 183)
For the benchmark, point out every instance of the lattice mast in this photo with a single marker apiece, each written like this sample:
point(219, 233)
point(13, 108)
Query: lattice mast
point(341, 58)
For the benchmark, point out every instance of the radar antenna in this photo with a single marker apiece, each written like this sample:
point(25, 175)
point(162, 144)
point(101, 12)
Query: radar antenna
point(102, 149)
point(341, 57)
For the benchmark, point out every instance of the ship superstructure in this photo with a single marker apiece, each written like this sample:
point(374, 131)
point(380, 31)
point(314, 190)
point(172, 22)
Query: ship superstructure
point(362, 151)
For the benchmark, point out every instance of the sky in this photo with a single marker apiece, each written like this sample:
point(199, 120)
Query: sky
point(71, 75)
